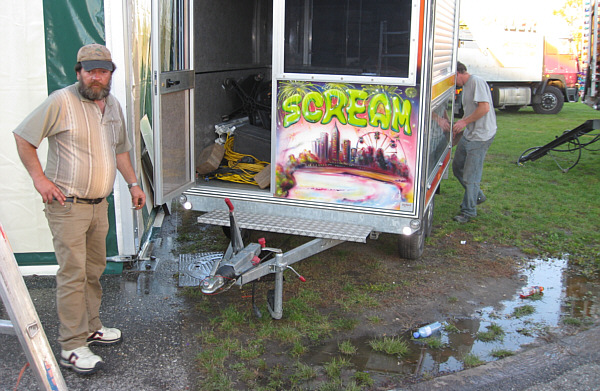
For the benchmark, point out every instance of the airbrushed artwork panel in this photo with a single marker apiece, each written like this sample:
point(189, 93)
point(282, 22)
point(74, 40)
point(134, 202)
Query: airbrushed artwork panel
point(347, 144)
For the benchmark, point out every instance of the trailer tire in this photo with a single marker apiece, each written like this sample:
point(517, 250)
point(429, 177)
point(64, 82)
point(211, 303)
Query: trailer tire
point(412, 246)
point(429, 218)
point(552, 101)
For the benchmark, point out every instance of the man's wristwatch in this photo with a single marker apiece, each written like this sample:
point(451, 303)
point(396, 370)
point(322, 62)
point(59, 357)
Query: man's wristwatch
point(132, 184)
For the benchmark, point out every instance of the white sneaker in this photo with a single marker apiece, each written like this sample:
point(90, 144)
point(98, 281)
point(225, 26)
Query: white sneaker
point(82, 360)
point(105, 336)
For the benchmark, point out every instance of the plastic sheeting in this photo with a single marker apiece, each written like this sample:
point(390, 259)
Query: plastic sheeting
point(22, 87)
point(40, 39)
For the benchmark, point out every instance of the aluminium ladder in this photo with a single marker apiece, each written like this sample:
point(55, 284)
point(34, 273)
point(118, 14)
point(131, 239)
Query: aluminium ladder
point(25, 323)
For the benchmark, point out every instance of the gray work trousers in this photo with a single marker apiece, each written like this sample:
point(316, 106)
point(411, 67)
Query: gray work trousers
point(467, 167)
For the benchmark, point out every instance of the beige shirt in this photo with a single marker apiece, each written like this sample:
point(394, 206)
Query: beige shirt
point(82, 142)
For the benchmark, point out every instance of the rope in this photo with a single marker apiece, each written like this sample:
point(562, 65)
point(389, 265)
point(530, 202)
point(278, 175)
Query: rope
point(240, 168)
point(21, 375)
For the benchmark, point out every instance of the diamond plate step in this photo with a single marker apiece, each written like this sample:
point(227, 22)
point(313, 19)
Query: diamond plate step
point(290, 226)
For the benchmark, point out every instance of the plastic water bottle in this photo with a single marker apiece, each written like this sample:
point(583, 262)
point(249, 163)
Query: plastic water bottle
point(427, 330)
point(531, 290)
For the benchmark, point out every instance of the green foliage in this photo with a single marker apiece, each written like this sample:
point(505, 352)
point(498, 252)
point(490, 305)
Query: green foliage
point(501, 353)
point(364, 378)
point(334, 367)
point(494, 333)
point(572, 321)
point(450, 328)
point(346, 347)
point(523, 310)
point(434, 343)
point(390, 345)
point(471, 360)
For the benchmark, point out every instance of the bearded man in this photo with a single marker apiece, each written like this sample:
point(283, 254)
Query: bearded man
point(87, 143)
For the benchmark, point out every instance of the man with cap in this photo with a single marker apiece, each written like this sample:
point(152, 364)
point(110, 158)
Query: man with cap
point(88, 143)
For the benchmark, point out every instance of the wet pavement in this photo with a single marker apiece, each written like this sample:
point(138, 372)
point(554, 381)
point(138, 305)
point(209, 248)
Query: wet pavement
point(156, 353)
point(158, 349)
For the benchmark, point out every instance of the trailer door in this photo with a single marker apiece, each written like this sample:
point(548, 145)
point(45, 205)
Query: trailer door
point(173, 83)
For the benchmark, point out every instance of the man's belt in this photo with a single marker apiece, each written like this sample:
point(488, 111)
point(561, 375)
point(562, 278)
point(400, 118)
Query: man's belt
point(77, 200)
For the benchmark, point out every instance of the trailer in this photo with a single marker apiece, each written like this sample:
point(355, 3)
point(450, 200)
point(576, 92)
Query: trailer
point(356, 139)
point(348, 104)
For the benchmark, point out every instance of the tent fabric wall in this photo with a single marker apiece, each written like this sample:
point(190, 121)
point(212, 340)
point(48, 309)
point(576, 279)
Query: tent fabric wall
point(23, 86)
point(40, 40)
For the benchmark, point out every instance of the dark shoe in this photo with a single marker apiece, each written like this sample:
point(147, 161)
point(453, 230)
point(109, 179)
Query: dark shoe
point(105, 336)
point(82, 360)
point(481, 200)
point(461, 218)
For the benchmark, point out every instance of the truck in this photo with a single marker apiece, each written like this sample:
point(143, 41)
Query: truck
point(523, 63)
point(349, 106)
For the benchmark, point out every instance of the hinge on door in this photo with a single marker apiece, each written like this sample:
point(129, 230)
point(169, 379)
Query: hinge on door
point(155, 83)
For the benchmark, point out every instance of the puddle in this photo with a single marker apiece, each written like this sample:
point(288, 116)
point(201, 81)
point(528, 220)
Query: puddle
point(564, 296)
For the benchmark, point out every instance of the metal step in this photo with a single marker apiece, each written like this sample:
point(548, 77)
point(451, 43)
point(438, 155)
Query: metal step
point(290, 226)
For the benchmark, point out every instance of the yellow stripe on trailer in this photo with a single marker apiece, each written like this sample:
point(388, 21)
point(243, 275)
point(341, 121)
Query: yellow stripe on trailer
point(440, 87)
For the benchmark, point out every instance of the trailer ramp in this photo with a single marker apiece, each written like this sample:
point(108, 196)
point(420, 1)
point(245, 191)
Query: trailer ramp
point(290, 226)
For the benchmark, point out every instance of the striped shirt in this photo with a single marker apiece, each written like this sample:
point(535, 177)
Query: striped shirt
point(82, 142)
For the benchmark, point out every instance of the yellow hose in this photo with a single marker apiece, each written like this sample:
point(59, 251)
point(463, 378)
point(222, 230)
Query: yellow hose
point(248, 170)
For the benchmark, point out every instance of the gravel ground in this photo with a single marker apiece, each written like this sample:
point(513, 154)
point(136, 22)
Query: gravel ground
point(145, 306)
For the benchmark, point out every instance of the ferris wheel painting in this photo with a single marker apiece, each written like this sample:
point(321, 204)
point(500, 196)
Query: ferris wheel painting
point(347, 144)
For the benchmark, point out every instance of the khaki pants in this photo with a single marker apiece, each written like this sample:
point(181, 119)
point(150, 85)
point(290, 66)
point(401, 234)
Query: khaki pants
point(79, 237)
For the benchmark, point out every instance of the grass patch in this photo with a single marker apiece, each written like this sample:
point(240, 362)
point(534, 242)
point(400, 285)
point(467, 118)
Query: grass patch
point(345, 324)
point(471, 360)
point(434, 343)
point(390, 345)
point(502, 353)
point(363, 379)
point(347, 348)
point(333, 368)
point(494, 333)
point(523, 310)
point(303, 372)
point(570, 321)
point(450, 328)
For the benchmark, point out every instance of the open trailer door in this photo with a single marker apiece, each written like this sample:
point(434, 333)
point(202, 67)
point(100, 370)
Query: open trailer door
point(173, 99)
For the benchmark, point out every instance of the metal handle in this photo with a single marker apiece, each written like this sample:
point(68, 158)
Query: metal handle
point(171, 83)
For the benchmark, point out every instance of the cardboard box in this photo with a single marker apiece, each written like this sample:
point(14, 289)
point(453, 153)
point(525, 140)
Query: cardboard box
point(210, 158)
point(263, 178)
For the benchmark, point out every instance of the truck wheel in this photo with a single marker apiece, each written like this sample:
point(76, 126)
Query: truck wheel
point(552, 101)
point(412, 246)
